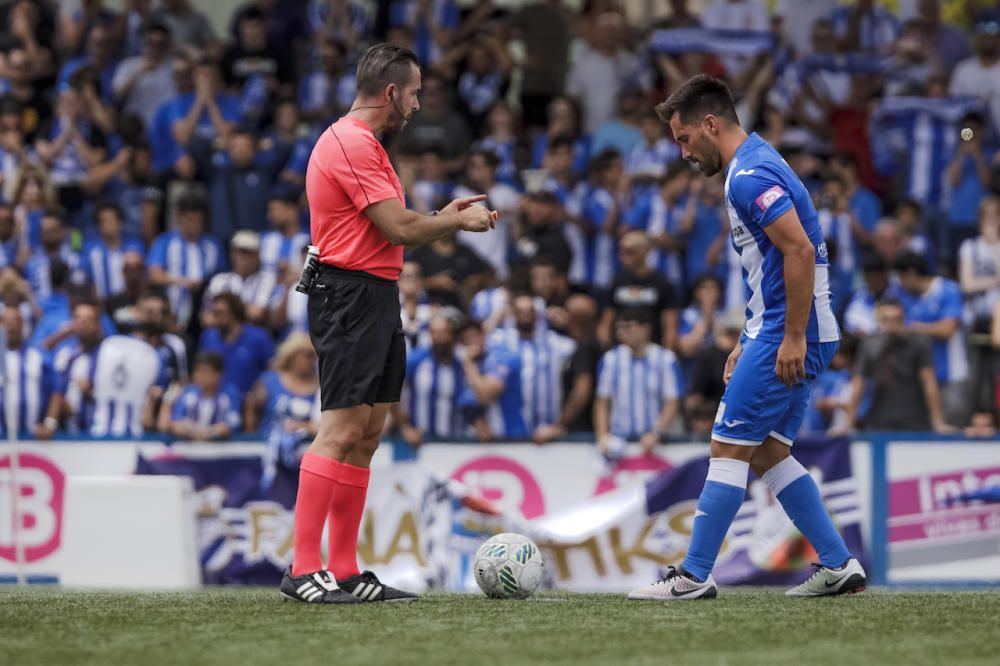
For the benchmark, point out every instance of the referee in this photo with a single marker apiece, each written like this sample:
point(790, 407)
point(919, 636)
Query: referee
point(360, 225)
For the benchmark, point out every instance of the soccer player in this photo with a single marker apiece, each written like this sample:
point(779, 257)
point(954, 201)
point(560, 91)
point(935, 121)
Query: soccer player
point(360, 224)
point(790, 337)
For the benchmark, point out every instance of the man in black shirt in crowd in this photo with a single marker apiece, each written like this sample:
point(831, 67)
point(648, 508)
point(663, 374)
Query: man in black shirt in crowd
point(707, 369)
point(452, 272)
point(638, 285)
point(899, 368)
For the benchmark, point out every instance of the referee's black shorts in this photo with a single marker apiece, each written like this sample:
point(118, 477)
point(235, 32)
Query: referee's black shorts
point(355, 327)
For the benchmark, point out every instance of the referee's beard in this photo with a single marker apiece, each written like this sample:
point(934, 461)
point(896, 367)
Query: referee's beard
point(395, 122)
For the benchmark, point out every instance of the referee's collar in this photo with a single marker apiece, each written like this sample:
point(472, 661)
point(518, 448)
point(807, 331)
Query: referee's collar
point(357, 122)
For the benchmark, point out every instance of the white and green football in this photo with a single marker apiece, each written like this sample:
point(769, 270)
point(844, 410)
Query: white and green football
point(508, 566)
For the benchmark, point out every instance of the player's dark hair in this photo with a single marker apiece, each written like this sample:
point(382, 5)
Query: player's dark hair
point(698, 97)
point(382, 64)
point(911, 261)
point(211, 359)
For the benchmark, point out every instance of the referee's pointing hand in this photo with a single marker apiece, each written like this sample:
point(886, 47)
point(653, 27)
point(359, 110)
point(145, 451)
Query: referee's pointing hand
point(471, 217)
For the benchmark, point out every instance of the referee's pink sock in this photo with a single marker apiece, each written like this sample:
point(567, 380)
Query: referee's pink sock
point(346, 511)
point(317, 480)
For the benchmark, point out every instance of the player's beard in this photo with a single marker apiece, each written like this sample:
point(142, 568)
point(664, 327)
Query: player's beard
point(711, 165)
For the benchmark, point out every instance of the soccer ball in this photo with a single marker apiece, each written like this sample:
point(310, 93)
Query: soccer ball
point(508, 566)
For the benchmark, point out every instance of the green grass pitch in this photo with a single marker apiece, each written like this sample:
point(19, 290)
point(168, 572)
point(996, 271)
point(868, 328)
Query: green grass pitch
point(246, 627)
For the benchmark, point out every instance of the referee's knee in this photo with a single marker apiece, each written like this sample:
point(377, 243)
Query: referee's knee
point(338, 442)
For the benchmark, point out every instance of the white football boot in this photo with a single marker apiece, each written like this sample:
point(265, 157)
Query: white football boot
point(675, 586)
point(824, 582)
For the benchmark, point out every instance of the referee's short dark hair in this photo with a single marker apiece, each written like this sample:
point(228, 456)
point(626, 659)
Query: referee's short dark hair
point(696, 98)
point(382, 64)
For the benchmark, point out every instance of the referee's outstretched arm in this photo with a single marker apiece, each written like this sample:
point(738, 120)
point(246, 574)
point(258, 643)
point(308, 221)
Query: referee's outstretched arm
point(406, 227)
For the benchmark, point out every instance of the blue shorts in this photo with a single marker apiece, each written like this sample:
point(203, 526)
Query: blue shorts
point(756, 404)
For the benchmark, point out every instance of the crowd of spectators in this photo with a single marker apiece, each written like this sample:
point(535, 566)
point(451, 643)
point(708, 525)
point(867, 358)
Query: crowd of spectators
point(152, 211)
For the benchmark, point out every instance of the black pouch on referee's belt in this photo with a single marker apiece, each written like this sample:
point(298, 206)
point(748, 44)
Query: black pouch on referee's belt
point(310, 268)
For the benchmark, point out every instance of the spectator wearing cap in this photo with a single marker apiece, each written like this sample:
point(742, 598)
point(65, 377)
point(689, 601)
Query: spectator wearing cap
point(183, 260)
point(281, 247)
point(29, 378)
point(104, 256)
point(245, 348)
point(143, 83)
point(247, 280)
point(204, 410)
point(238, 183)
point(639, 386)
point(933, 307)
point(55, 247)
point(127, 179)
point(435, 381)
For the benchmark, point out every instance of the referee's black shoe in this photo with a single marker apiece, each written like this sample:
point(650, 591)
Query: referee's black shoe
point(367, 587)
point(318, 587)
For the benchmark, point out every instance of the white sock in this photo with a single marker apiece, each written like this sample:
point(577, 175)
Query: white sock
point(728, 471)
point(778, 477)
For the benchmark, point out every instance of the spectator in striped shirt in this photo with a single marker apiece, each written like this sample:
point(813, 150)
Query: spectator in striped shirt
point(253, 285)
point(28, 379)
point(204, 410)
point(280, 248)
point(435, 380)
point(638, 387)
point(104, 257)
point(75, 364)
point(544, 356)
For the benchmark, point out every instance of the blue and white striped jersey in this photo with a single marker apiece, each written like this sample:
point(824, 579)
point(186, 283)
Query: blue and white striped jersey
point(666, 219)
point(198, 260)
point(276, 247)
point(760, 188)
point(75, 368)
point(594, 254)
point(104, 265)
point(543, 357)
point(29, 384)
point(256, 289)
point(207, 410)
point(638, 387)
point(435, 387)
point(38, 270)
